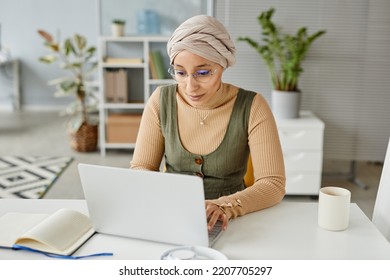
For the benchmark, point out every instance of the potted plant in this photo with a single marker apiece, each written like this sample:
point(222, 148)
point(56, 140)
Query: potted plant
point(283, 55)
point(118, 27)
point(76, 57)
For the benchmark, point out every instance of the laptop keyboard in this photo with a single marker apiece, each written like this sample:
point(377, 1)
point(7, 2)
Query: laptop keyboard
point(215, 232)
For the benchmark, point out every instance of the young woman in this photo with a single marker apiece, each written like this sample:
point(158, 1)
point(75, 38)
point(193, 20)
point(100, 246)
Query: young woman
point(208, 128)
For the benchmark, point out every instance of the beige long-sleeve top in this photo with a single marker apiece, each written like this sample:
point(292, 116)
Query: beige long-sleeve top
point(263, 139)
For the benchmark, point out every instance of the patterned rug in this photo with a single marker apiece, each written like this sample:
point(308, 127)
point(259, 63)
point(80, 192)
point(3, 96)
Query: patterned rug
point(29, 177)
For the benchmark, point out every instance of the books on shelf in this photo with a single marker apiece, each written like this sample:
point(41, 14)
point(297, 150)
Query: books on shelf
point(121, 86)
point(124, 60)
point(157, 66)
point(109, 82)
point(152, 66)
point(116, 85)
point(60, 233)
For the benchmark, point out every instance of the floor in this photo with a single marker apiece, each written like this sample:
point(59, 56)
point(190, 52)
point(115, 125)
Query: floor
point(44, 134)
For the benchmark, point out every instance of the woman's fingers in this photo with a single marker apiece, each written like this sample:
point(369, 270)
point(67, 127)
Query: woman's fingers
point(214, 213)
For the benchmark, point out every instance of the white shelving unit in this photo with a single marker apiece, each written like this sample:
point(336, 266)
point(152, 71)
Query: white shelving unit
point(141, 84)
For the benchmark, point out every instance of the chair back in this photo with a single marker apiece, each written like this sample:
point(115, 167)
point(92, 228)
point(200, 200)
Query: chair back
point(381, 214)
point(249, 178)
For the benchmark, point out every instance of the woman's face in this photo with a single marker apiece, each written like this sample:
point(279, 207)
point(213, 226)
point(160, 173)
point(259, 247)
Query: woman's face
point(197, 93)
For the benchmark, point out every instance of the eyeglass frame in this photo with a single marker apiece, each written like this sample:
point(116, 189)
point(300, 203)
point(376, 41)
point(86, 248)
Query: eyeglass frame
point(194, 75)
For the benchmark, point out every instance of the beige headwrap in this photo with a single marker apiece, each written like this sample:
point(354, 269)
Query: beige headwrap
point(204, 36)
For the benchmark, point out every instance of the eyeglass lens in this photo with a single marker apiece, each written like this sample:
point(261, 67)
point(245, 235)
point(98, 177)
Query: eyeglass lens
point(200, 75)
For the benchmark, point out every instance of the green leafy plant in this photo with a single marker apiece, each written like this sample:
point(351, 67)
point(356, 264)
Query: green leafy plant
point(119, 21)
point(282, 53)
point(77, 58)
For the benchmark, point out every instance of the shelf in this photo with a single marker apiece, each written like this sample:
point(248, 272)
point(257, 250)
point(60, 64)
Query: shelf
point(139, 83)
point(122, 65)
point(136, 38)
point(120, 145)
point(123, 105)
point(161, 82)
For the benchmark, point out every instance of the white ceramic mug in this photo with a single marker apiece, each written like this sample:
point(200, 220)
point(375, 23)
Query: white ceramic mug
point(333, 208)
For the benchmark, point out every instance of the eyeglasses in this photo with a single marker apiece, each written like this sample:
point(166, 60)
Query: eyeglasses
point(201, 76)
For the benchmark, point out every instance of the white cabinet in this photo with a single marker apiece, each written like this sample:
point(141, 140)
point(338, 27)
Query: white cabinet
point(131, 54)
point(302, 145)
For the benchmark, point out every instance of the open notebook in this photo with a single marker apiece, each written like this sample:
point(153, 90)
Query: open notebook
point(156, 206)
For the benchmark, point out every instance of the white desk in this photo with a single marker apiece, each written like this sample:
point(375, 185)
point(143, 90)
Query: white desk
point(288, 230)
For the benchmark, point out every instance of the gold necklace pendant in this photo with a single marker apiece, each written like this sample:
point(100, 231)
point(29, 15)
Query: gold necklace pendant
point(202, 119)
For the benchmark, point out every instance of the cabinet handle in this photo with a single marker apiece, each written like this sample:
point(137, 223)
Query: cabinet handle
point(296, 178)
point(295, 157)
point(294, 135)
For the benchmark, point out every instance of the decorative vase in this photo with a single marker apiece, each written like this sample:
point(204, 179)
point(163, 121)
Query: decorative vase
point(118, 30)
point(286, 104)
point(84, 139)
point(148, 22)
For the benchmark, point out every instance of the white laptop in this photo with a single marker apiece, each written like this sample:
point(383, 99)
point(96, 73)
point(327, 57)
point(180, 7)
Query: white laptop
point(156, 206)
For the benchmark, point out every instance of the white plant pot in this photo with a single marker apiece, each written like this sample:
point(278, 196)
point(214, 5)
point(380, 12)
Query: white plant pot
point(286, 105)
point(118, 30)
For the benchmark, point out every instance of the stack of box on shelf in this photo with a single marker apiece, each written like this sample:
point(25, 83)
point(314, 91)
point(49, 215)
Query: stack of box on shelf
point(122, 128)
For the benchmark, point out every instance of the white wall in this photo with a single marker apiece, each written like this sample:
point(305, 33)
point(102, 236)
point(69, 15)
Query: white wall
point(346, 74)
point(171, 13)
point(20, 20)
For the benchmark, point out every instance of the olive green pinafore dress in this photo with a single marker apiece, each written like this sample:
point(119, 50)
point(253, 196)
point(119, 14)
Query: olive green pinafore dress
point(222, 170)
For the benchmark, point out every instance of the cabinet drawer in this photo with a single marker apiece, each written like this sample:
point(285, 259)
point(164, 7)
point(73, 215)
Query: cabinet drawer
point(295, 160)
point(303, 183)
point(301, 138)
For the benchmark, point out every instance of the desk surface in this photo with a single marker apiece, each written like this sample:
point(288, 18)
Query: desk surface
point(288, 230)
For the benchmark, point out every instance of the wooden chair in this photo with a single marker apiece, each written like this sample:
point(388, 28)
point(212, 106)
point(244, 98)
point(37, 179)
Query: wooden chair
point(249, 177)
point(381, 215)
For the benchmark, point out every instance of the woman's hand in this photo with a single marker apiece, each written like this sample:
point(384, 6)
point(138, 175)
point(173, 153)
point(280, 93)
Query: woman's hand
point(215, 213)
